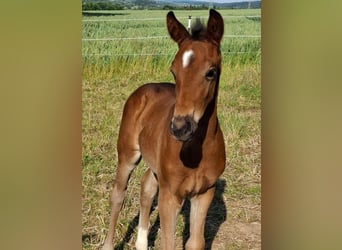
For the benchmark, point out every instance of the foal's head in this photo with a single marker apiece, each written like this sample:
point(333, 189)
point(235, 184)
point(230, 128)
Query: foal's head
point(196, 69)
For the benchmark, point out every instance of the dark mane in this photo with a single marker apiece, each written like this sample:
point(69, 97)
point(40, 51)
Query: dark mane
point(198, 30)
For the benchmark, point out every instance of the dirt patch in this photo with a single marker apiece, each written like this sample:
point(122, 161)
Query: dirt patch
point(242, 227)
point(238, 236)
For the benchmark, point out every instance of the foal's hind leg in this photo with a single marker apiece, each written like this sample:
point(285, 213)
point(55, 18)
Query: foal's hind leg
point(128, 160)
point(149, 188)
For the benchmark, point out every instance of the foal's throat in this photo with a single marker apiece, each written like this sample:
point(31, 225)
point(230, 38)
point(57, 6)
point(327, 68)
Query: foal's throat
point(192, 150)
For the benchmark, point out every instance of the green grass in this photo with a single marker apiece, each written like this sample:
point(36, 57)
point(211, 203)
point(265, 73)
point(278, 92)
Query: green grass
point(107, 82)
point(239, 50)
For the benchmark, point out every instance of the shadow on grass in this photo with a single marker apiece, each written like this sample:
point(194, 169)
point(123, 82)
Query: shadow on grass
point(132, 225)
point(217, 214)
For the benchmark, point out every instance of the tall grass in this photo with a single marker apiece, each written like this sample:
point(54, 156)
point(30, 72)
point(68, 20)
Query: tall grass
point(237, 49)
point(113, 69)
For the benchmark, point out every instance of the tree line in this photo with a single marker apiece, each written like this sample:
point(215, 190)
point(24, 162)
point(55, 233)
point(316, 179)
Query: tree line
point(101, 6)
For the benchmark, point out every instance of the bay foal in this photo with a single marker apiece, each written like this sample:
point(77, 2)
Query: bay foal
point(174, 128)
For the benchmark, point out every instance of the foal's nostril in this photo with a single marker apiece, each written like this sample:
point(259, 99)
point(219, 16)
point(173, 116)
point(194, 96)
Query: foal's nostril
point(182, 127)
point(178, 122)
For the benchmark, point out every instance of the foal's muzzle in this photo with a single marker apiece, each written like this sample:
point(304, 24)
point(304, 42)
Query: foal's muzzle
point(183, 127)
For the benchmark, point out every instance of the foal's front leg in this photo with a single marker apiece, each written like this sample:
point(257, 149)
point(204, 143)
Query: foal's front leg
point(169, 207)
point(198, 213)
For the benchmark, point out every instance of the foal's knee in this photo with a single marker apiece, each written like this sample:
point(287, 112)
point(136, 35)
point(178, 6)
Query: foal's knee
point(117, 195)
point(149, 188)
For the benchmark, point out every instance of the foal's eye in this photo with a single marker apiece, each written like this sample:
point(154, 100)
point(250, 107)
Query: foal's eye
point(211, 74)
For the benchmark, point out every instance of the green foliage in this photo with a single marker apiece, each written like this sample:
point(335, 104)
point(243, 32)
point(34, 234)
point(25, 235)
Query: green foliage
point(101, 6)
point(185, 7)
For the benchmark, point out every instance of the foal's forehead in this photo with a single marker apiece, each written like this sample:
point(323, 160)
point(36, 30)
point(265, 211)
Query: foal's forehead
point(197, 52)
point(187, 57)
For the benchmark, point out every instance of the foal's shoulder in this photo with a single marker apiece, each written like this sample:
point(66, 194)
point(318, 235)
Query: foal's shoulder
point(158, 87)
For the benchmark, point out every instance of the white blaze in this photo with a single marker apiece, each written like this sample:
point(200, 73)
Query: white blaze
point(186, 59)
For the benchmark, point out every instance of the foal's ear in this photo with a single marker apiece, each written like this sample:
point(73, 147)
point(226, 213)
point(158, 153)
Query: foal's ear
point(176, 30)
point(215, 26)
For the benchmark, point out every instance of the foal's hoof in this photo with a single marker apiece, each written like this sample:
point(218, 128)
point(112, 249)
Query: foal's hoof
point(107, 247)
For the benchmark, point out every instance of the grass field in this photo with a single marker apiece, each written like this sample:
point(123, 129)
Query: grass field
point(112, 69)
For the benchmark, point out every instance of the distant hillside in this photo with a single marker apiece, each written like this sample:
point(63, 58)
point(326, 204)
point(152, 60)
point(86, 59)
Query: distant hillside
point(232, 5)
point(165, 4)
